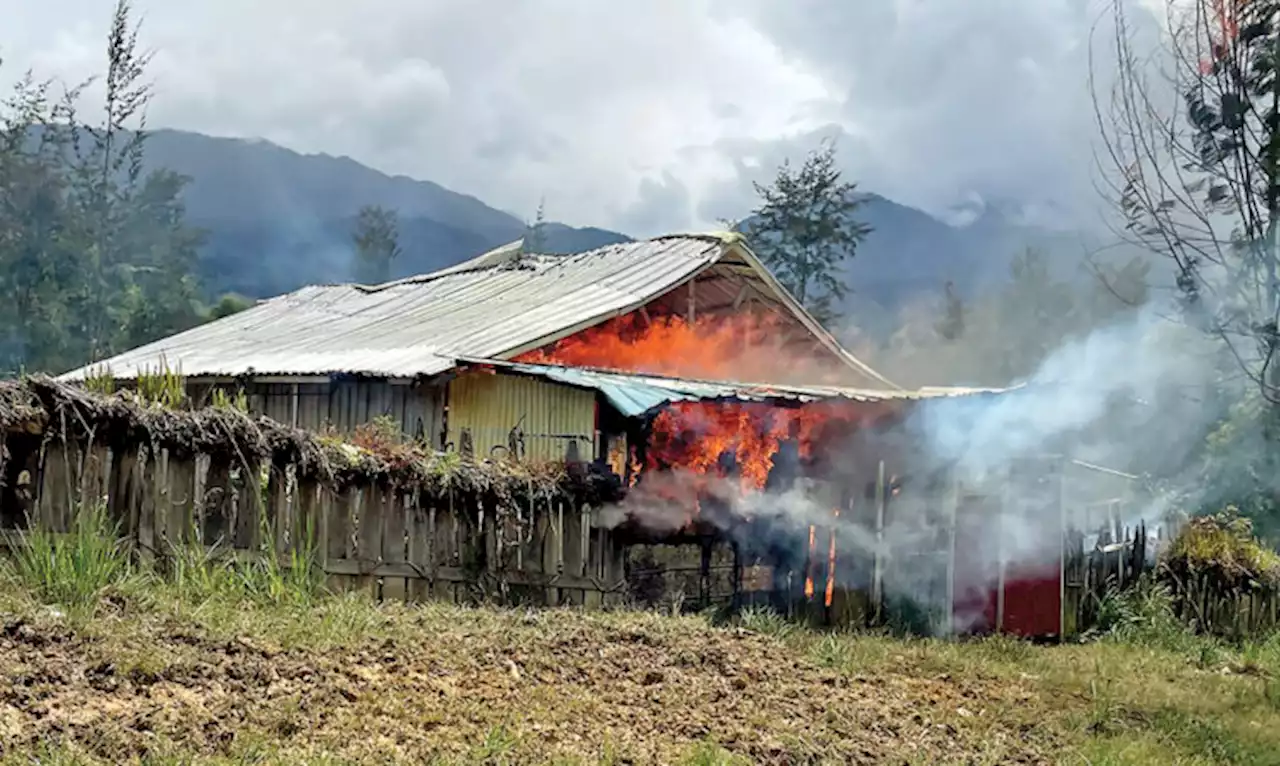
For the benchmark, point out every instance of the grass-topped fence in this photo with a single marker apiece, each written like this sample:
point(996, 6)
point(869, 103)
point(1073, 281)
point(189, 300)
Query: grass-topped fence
point(372, 512)
point(1219, 579)
point(379, 514)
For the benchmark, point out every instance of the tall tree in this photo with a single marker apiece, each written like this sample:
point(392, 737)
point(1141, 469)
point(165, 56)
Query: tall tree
point(950, 326)
point(1192, 137)
point(377, 243)
point(805, 227)
point(95, 250)
point(1191, 133)
point(535, 235)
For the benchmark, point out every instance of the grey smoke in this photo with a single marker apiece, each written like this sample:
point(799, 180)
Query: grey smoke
point(1125, 395)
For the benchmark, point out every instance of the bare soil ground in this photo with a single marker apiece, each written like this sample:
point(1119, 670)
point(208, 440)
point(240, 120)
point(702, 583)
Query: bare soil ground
point(344, 682)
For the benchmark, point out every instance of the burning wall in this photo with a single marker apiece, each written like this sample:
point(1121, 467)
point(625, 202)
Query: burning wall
point(725, 468)
point(748, 347)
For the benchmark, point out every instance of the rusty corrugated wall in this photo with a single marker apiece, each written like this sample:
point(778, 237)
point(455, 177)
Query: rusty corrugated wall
point(555, 419)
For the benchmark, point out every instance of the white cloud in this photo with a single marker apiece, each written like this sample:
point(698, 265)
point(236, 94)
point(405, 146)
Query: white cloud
point(644, 116)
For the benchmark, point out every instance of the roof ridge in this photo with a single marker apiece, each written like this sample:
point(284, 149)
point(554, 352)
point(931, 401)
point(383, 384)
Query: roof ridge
point(722, 238)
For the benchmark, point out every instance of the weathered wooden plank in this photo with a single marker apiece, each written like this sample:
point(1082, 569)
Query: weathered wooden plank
point(445, 549)
point(218, 510)
point(247, 529)
point(421, 534)
point(120, 494)
point(341, 543)
point(179, 505)
point(394, 532)
point(369, 542)
point(280, 494)
point(155, 519)
point(55, 496)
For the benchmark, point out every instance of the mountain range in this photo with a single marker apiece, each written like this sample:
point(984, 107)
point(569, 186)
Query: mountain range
point(277, 219)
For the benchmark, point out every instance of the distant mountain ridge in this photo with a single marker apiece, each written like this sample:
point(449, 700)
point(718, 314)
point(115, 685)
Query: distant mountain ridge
point(277, 219)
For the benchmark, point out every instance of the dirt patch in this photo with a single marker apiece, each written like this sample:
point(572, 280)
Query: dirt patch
point(538, 687)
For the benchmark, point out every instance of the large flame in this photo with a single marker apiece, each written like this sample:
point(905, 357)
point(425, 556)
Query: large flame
point(744, 347)
point(697, 450)
point(700, 437)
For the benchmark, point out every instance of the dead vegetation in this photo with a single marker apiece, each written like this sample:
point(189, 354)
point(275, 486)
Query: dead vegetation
point(152, 418)
point(1222, 547)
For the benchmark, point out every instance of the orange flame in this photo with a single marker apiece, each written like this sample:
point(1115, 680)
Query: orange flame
point(831, 564)
point(745, 347)
point(808, 574)
point(696, 436)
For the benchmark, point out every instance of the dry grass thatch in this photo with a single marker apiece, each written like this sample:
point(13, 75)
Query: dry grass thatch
point(123, 420)
point(1222, 547)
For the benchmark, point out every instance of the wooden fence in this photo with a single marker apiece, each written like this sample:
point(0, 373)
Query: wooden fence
point(403, 528)
point(396, 542)
point(1124, 555)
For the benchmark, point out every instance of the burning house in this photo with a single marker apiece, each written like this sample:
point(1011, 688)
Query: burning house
point(740, 426)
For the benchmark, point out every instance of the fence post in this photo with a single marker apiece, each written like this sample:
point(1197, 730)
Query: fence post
point(877, 574)
point(953, 502)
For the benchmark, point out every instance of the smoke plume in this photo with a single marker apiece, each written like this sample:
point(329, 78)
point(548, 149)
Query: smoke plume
point(1129, 396)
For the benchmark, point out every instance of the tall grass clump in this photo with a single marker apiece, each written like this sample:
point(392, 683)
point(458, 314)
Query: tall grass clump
point(1144, 615)
point(73, 570)
point(200, 575)
point(162, 387)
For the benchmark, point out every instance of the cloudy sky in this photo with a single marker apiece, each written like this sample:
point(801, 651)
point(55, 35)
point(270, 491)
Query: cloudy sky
point(645, 116)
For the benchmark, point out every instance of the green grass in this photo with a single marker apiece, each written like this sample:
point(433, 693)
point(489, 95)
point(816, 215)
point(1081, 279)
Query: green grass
point(76, 570)
point(219, 660)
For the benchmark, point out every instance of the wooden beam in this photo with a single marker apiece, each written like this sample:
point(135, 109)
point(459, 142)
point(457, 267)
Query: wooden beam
point(877, 576)
point(743, 292)
point(692, 302)
point(1002, 519)
point(1062, 550)
point(953, 502)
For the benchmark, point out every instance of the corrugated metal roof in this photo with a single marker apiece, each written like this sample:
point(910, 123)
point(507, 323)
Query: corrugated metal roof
point(418, 326)
point(494, 306)
point(634, 395)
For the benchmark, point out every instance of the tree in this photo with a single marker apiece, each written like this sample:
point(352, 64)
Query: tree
point(377, 243)
point(805, 228)
point(950, 326)
point(1190, 135)
point(228, 304)
point(95, 253)
point(535, 235)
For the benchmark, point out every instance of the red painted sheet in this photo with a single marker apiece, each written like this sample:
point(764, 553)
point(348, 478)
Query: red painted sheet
point(1033, 601)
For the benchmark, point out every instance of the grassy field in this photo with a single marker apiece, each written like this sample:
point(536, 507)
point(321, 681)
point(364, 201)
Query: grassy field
point(221, 664)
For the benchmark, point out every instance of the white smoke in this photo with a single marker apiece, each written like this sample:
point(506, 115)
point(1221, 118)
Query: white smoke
point(1124, 395)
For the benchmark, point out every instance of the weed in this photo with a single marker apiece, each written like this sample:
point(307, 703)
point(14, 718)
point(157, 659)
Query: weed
point(767, 622)
point(162, 387)
point(100, 381)
point(221, 400)
point(831, 651)
point(709, 753)
point(75, 569)
point(1144, 614)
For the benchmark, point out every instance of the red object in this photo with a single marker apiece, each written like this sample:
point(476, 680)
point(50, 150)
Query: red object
point(1033, 602)
point(1032, 593)
point(973, 607)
